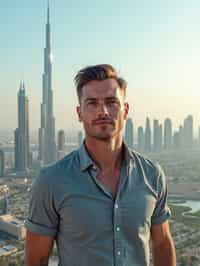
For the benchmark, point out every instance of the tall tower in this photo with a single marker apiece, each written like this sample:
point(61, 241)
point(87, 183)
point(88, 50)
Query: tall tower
point(141, 142)
point(167, 134)
point(80, 138)
point(129, 133)
point(22, 152)
point(2, 163)
point(157, 136)
point(188, 132)
point(47, 145)
point(61, 144)
point(147, 137)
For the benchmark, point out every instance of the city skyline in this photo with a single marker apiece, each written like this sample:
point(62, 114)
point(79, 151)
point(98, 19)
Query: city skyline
point(155, 48)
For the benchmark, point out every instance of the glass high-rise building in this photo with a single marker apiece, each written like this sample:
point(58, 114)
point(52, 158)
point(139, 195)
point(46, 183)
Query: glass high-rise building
point(47, 144)
point(147, 137)
point(22, 146)
point(129, 133)
point(167, 134)
point(2, 163)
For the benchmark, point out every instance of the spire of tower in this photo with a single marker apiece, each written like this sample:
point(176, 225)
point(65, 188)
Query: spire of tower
point(48, 12)
point(21, 85)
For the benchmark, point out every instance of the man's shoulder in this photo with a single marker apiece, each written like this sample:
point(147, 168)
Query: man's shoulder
point(146, 163)
point(60, 168)
point(151, 171)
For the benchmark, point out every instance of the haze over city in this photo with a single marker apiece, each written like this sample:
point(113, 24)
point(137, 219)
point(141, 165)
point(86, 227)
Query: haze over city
point(154, 45)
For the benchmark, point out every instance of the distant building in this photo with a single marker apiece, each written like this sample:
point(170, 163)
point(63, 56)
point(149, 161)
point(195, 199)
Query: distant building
point(167, 134)
point(12, 226)
point(22, 149)
point(147, 137)
point(2, 163)
point(140, 139)
point(80, 138)
point(176, 140)
point(3, 199)
point(157, 136)
point(47, 144)
point(181, 137)
point(61, 140)
point(188, 132)
point(199, 136)
point(7, 250)
point(61, 144)
point(129, 133)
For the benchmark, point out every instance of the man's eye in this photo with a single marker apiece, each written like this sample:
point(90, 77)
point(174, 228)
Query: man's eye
point(112, 102)
point(91, 103)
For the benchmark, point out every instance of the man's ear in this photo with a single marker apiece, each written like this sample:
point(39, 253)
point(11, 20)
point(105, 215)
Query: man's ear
point(126, 110)
point(78, 110)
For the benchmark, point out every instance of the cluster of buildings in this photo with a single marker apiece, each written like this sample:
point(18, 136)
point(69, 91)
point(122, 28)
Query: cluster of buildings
point(160, 137)
point(48, 152)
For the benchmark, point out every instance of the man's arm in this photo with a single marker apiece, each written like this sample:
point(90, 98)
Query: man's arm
point(37, 249)
point(162, 245)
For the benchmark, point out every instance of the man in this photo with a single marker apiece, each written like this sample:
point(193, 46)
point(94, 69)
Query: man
point(102, 203)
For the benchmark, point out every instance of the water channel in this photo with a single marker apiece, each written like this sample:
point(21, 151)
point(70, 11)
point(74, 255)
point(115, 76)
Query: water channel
point(193, 204)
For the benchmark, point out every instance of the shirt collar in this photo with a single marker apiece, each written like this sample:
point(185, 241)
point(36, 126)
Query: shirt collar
point(86, 161)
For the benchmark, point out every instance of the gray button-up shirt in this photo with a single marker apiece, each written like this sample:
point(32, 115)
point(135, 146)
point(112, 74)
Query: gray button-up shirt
point(91, 227)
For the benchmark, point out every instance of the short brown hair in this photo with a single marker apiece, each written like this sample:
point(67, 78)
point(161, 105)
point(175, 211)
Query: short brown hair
point(97, 72)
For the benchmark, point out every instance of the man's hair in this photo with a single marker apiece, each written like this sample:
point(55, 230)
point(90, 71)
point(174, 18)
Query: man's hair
point(99, 73)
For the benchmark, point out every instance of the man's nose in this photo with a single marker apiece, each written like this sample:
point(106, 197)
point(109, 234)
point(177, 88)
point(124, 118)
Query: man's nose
point(102, 109)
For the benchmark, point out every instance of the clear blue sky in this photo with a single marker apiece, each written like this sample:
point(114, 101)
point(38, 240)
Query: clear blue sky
point(154, 44)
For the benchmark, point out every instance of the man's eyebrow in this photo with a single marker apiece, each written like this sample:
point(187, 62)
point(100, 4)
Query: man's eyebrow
point(111, 98)
point(90, 99)
point(96, 99)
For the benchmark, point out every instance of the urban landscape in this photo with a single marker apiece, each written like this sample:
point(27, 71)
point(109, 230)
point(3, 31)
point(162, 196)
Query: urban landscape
point(24, 152)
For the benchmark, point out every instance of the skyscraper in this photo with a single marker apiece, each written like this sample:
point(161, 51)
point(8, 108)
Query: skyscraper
point(147, 139)
point(61, 144)
point(167, 134)
point(199, 136)
point(141, 142)
point(61, 140)
point(22, 153)
point(157, 136)
point(80, 138)
point(177, 140)
point(188, 132)
point(47, 145)
point(2, 163)
point(129, 133)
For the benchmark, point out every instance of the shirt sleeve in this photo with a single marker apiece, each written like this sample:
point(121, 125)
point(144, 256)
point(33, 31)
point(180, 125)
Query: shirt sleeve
point(161, 212)
point(42, 216)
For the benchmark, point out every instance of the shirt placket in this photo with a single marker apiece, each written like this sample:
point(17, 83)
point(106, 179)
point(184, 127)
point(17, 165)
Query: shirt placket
point(119, 249)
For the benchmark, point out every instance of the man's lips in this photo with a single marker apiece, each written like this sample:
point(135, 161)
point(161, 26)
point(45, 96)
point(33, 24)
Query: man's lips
point(102, 122)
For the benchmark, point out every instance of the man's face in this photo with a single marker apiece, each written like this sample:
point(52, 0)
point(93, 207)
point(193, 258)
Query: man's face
point(102, 109)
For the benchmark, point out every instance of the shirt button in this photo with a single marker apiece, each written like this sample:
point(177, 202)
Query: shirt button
point(118, 253)
point(118, 229)
point(94, 168)
point(116, 206)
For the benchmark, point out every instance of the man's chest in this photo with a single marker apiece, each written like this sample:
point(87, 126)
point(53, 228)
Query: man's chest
point(88, 212)
point(110, 181)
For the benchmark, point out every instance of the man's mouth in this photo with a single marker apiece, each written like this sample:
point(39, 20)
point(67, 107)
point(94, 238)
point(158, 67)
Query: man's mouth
point(102, 122)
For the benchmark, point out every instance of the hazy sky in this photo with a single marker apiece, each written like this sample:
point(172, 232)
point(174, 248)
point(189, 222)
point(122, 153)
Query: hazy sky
point(154, 44)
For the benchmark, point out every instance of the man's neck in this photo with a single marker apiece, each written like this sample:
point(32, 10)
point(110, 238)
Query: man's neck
point(107, 154)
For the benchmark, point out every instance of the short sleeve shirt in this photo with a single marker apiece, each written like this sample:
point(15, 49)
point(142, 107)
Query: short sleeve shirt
point(90, 226)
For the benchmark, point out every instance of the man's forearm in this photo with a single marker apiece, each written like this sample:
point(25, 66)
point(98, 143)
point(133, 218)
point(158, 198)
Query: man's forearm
point(164, 254)
point(37, 262)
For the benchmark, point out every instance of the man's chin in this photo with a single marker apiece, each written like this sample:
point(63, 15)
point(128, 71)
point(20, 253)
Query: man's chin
point(103, 137)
